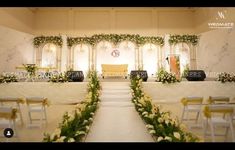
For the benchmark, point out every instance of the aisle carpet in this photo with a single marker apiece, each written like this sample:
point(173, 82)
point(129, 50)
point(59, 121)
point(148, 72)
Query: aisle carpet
point(116, 120)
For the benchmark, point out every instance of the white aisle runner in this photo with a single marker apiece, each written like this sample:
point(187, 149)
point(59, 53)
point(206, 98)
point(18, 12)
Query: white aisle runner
point(116, 120)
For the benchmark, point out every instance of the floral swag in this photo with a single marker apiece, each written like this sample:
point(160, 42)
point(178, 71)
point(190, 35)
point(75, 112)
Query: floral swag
point(115, 38)
point(193, 39)
point(38, 41)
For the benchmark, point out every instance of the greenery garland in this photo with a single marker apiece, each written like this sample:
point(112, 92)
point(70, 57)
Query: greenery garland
point(75, 126)
point(38, 41)
point(8, 78)
point(115, 38)
point(174, 39)
point(160, 124)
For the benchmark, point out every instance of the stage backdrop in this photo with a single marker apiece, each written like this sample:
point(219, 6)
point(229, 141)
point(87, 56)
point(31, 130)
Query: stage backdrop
point(124, 53)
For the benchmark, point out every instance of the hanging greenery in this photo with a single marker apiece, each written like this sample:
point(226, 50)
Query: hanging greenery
point(115, 39)
point(38, 41)
point(153, 40)
point(174, 39)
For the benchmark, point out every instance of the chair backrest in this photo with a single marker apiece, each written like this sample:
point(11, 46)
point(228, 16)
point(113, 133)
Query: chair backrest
point(8, 113)
point(12, 99)
point(209, 110)
point(37, 100)
point(114, 67)
point(192, 101)
point(218, 99)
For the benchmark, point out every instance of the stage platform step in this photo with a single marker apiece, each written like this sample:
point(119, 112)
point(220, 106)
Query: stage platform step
point(116, 91)
point(117, 104)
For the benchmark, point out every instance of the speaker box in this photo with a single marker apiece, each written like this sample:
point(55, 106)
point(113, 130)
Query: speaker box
point(75, 76)
point(196, 75)
point(142, 73)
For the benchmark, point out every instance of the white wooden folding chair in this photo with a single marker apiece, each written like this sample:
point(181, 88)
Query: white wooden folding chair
point(17, 101)
point(214, 120)
point(191, 105)
point(8, 117)
point(37, 105)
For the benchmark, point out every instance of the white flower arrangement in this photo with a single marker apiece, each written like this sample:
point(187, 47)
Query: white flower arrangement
point(165, 77)
point(225, 77)
point(7, 78)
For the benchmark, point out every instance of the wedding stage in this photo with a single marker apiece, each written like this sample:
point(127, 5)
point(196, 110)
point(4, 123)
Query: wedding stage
point(57, 93)
point(74, 92)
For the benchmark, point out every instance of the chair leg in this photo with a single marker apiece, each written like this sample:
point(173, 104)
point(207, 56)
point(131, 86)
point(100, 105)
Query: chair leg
point(182, 117)
point(30, 118)
point(45, 115)
point(197, 117)
point(232, 131)
point(21, 117)
point(226, 133)
point(212, 132)
point(205, 128)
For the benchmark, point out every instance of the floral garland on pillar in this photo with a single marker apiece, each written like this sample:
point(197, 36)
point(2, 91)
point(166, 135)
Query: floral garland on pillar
point(75, 126)
point(160, 124)
point(38, 41)
point(115, 39)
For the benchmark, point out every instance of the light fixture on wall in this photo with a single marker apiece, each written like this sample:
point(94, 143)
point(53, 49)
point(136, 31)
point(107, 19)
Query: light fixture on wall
point(150, 48)
point(127, 47)
point(104, 46)
point(81, 48)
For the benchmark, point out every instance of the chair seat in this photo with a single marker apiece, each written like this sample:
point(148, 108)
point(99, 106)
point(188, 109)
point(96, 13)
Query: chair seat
point(195, 108)
point(4, 123)
point(219, 121)
point(36, 109)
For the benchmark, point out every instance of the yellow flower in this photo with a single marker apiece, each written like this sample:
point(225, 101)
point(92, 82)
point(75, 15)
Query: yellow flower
point(152, 131)
point(71, 140)
point(61, 139)
point(176, 135)
point(168, 138)
point(160, 138)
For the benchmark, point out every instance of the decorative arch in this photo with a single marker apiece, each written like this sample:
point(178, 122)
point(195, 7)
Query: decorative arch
point(80, 53)
point(184, 45)
point(49, 51)
point(41, 41)
point(151, 58)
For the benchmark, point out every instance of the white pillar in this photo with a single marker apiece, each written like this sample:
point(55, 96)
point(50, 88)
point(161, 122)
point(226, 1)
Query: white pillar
point(64, 54)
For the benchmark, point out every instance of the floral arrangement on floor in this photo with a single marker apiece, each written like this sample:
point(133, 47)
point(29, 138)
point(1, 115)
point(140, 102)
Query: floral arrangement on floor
point(31, 69)
point(160, 124)
point(115, 38)
point(75, 126)
point(58, 78)
point(165, 77)
point(225, 77)
point(8, 78)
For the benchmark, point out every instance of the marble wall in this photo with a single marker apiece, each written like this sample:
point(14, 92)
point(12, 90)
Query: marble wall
point(16, 48)
point(216, 52)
